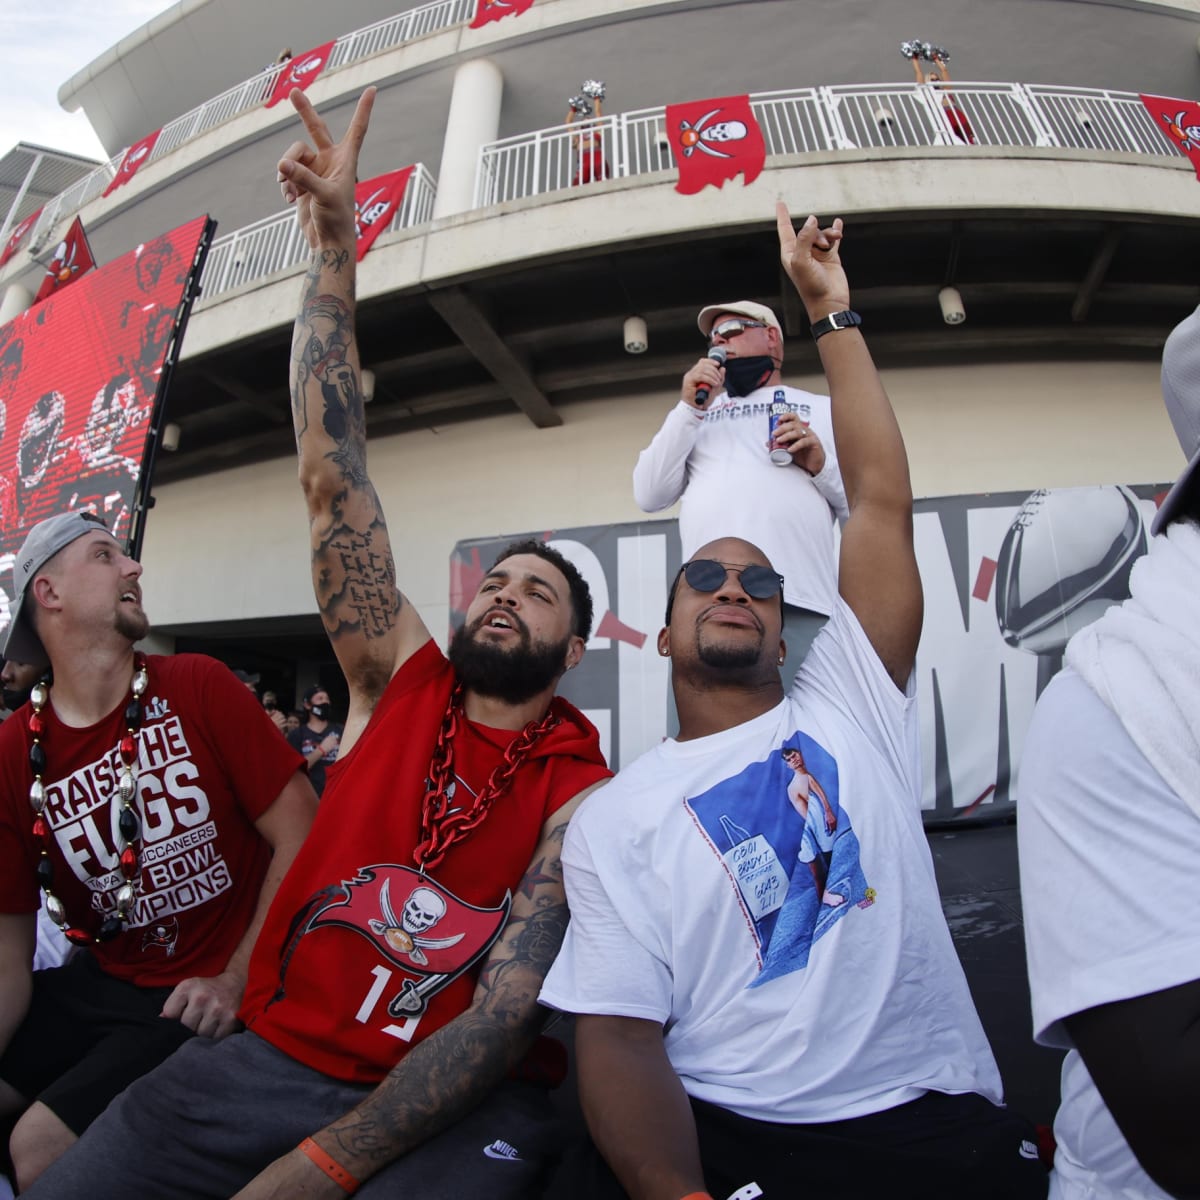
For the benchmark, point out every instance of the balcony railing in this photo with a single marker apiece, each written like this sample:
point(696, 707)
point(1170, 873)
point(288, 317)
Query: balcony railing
point(847, 117)
point(350, 47)
point(254, 252)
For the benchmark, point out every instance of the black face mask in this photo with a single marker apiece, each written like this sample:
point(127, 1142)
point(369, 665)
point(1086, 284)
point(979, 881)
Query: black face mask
point(744, 375)
point(320, 711)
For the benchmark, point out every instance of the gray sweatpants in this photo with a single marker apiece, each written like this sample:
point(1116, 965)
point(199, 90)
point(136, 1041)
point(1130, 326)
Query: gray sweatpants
point(203, 1124)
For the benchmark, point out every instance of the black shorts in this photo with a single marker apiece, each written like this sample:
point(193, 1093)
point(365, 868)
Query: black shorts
point(938, 1147)
point(85, 1038)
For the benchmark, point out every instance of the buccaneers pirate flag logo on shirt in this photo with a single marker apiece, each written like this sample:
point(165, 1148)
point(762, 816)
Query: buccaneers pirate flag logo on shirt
point(413, 922)
point(714, 140)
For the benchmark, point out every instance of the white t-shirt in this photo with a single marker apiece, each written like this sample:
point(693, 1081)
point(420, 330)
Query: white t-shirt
point(717, 460)
point(690, 906)
point(1112, 911)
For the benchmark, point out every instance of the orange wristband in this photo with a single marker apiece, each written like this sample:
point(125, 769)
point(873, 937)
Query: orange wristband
point(329, 1165)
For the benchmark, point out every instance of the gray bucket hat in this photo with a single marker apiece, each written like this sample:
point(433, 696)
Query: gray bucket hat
point(42, 543)
point(1181, 392)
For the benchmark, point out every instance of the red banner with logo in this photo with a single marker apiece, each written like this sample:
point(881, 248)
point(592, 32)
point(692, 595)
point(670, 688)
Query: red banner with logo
point(80, 375)
point(299, 72)
point(72, 259)
point(715, 140)
point(1179, 120)
point(135, 156)
point(493, 10)
point(18, 236)
point(375, 204)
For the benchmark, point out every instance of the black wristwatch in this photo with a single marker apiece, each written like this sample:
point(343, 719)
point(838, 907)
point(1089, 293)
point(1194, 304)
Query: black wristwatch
point(838, 320)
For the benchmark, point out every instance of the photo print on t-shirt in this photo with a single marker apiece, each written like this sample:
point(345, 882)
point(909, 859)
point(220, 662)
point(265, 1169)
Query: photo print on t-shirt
point(788, 848)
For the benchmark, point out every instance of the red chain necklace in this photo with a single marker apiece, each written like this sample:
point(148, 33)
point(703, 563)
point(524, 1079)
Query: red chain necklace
point(128, 824)
point(440, 828)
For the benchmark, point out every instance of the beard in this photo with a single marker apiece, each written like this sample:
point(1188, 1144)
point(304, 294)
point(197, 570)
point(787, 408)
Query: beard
point(512, 675)
point(132, 625)
point(725, 658)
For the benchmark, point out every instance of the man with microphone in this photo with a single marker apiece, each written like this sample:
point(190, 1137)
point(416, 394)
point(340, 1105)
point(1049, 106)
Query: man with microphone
point(717, 451)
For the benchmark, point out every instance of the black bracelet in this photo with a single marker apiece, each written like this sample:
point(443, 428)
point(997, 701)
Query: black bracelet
point(838, 320)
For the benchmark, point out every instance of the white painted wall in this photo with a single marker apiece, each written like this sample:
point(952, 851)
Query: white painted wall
point(234, 544)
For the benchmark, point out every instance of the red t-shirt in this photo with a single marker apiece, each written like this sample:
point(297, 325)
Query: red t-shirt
point(210, 764)
point(361, 956)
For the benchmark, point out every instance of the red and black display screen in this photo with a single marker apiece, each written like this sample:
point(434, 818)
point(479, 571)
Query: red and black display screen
point(83, 380)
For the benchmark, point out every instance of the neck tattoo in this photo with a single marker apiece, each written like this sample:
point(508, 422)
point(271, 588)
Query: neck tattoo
point(128, 824)
point(440, 828)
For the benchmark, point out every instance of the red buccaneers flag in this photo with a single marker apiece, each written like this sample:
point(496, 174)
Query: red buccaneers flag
point(375, 203)
point(493, 10)
point(135, 156)
point(72, 259)
point(299, 72)
point(414, 923)
point(1180, 121)
point(713, 141)
point(18, 236)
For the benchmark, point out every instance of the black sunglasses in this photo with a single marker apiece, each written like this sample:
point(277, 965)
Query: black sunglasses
point(707, 575)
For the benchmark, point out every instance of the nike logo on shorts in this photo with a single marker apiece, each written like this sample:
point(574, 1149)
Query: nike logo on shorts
point(501, 1149)
point(1028, 1149)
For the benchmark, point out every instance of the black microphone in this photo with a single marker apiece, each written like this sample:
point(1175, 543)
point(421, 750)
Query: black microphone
point(717, 354)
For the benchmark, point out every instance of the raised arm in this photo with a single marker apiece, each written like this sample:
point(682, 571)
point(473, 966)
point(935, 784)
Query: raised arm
point(442, 1078)
point(878, 575)
point(371, 626)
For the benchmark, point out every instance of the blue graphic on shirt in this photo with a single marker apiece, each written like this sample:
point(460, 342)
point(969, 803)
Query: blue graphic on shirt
point(790, 848)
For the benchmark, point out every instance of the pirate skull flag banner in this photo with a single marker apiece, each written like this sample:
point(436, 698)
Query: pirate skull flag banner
point(375, 204)
point(72, 259)
point(714, 140)
point(493, 10)
point(81, 375)
point(299, 72)
point(18, 236)
point(1179, 121)
point(135, 156)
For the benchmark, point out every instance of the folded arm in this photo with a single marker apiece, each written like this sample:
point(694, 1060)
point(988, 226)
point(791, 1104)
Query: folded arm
point(445, 1076)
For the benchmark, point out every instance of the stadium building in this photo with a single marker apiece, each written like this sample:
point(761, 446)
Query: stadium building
point(525, 317)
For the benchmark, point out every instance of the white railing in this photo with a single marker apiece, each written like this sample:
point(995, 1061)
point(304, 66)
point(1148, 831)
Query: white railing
point(846, 117)
point(254, 252)
point(350, 47)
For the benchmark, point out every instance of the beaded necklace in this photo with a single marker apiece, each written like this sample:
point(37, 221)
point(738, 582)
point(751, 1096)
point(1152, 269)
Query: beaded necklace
point(127, 820)
point(440, 828)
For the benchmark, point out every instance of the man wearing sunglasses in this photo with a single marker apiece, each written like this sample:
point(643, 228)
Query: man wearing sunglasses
point(713, 452)
point(748, 1025)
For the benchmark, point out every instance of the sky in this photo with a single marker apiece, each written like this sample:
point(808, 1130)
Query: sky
point(45, 42)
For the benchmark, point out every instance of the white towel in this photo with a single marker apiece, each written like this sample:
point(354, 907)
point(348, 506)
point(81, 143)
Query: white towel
point(1142, 658)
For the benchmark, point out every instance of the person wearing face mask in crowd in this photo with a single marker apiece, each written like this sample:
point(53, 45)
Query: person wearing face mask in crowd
point(714, 452)
point(318, 738)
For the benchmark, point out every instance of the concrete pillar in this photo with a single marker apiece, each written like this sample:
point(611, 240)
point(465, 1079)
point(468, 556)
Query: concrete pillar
point(474, 119)
point(16, 300)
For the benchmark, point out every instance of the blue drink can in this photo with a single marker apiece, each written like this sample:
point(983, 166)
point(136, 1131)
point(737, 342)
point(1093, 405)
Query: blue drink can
point(779, 408)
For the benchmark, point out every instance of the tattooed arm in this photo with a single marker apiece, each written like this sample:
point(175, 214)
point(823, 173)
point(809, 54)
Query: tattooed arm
point(371, 626)
point(445, 1076)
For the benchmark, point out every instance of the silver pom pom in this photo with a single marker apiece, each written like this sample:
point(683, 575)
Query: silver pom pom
point(581, 105)
point(594, 88)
